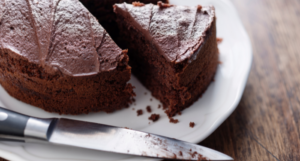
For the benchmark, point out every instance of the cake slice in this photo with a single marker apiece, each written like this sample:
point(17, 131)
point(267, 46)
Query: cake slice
point(172, 49)
point(55, 55)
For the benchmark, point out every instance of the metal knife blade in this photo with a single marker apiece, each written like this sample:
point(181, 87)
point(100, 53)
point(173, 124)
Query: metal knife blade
point(105, 138)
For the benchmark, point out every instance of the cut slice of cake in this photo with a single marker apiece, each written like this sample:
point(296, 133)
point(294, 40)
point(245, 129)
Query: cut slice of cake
point(55, 55)
point(172, 49)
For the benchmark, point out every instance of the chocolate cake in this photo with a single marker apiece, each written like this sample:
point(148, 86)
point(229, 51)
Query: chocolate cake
point(103, 11)
point(55, 55)
point(172, 49)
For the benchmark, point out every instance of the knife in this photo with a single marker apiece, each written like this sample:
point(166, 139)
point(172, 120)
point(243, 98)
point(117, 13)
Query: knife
point(19, 127)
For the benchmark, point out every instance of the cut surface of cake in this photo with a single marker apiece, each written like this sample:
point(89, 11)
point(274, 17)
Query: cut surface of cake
point(172, 49)
point(103, 11)
point(55, 55)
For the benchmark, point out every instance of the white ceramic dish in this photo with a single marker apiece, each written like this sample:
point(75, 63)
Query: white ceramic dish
point(208, 113)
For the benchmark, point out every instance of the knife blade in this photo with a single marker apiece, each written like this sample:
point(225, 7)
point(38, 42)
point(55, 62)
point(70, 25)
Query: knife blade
point(19, 127)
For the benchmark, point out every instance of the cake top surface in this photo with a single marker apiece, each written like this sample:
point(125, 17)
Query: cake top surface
point(57, 34)
point(177, 31)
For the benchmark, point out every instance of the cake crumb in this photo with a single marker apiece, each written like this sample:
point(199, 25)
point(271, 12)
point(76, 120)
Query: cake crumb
point(148, 108)
point(163, 5)
point(180, 153)
point(199, 7)
point(219, 40)
point(175, 156)
point(179, 113)
point(150, 99)
point(126, 127)
point(159, 106)
point(192, 124)
point(145, 93)
point(200, 157)
point(194, 154)
point(220, 62)
point(172, 120)
point(133, 109)
point(154, 117)
point(138, 4)
point(139, 112)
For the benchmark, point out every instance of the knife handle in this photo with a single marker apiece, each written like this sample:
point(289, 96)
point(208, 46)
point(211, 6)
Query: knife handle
point(12, 123)
point(18, 126)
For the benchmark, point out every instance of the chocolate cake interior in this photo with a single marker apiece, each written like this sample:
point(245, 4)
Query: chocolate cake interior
point(105, 90)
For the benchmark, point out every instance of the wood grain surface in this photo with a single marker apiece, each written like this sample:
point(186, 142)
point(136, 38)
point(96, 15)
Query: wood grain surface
point(266, 124)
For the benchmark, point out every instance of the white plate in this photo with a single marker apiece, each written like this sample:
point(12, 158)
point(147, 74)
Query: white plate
point(208, 113)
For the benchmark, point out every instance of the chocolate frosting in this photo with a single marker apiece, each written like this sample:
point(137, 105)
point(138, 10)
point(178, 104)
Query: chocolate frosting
point(57, 34)
point(177, 31)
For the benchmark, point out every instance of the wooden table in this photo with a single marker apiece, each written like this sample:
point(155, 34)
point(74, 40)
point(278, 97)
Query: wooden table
point(266, 124)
